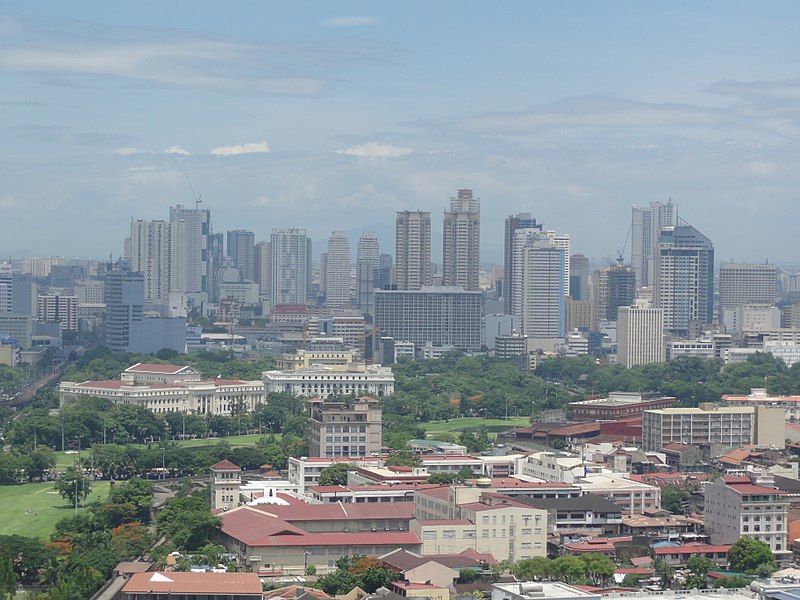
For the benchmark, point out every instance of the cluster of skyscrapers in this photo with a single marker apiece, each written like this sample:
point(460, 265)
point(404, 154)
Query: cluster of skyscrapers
point(544, 298)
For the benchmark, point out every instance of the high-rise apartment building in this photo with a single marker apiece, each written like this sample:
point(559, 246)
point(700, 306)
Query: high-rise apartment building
point(368, 263)
point(55, 308)
point(291, 259)
point(612, 287)
point(262, 266)
point(646, 226)
point(747, 284)
point(542, 273)
point(441, 316)
point(124, 303)
point(191, 230)
point(40, 267)
point(579, 276)
point(216, 258)
point(337, 271)
point(151, 255)
point(241, 248)
point(513, 223)
point(462, 241)
point(640, 334)
point(345, 429)
point(412, 249)
point(684, 278)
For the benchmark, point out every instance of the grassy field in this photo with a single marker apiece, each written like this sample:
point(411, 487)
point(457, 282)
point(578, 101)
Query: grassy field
point(473, 424)
point(47, 506)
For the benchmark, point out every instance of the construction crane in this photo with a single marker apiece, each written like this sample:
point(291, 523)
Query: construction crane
point(621, 253)
point(198, 198)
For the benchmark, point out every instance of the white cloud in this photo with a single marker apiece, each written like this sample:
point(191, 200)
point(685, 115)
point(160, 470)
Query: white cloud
point(249, 148)
point(174, 59)
point(351, 21)
point(8, 202)
point(594, 111)
point(376, 150)
point(177, 150)
point(128, 150)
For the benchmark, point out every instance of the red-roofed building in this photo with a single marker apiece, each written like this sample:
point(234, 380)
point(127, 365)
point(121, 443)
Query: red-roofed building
point(267, 542)
point(193, 586)
point(170, 388)
point(594, 545)
point(739, 506)
point(680, 555)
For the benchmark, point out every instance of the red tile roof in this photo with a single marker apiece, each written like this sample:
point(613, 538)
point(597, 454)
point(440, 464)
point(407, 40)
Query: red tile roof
point(693, 549)
point(335, 511)
point(748, 489)
point(596, 545)
point(225, 465)
point(254, 526)
point(194, 583)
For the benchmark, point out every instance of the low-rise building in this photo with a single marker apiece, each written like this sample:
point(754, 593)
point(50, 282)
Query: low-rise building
point(678, 556)
point(618, 405)
point(760, 397)
point(320, 382)
point(170, 388)
point(304, 471)
point(590, 513)
point(287, 539)
point(492, 523)
point(192, 586)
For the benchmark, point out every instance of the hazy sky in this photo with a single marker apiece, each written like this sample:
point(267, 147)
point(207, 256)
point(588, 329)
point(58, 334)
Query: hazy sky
point(332, 115)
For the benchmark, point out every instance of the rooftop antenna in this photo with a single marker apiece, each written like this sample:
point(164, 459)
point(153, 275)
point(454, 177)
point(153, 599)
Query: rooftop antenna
point(197, 197)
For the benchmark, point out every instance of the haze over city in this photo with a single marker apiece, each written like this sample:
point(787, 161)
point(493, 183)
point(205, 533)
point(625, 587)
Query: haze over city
point(333, 116)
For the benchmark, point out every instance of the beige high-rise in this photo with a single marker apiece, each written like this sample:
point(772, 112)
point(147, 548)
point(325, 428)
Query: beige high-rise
point(462, 241)
point(412, 249)
point(640, 334)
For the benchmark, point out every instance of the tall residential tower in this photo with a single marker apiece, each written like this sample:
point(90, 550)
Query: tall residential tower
point(646, 226)
point(412, 249)
point(462, 241)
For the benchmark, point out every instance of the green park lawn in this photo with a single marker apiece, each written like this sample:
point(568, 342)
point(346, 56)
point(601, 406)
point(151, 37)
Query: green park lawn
point(47, 506)
point(473, 424)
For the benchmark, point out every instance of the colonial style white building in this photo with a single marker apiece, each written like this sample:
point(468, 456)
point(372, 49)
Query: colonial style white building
point(324, 381)
point(170, 388)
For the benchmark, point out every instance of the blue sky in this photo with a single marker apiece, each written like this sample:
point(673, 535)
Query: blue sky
point(334, 115)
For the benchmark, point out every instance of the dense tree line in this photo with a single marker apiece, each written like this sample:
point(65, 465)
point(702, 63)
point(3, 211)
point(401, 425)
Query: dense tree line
point(691, 380)
point(113, 461)
point(90, 420)
point(100, 363)
point(433, 390)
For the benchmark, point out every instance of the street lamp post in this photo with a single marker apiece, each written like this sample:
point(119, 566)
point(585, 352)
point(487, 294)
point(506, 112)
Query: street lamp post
point(30, 513)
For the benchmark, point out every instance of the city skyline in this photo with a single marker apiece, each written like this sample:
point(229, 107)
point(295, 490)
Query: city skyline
point(333, 117)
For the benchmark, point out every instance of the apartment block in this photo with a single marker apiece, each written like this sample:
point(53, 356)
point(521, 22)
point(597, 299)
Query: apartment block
point(712, 424)
point(741, 506)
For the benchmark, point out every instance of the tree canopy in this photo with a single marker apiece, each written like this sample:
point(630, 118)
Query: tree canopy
point(751, 556)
